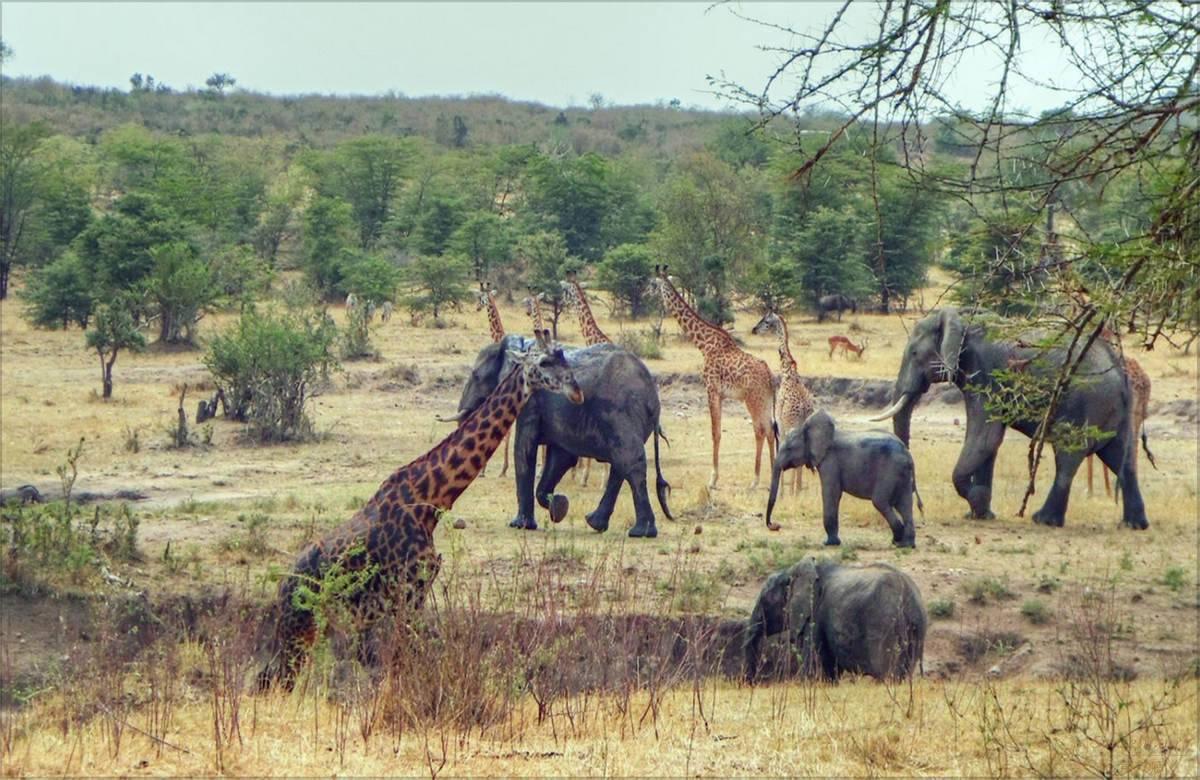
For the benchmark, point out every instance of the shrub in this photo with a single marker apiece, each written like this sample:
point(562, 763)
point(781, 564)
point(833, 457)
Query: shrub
point(641, 343)
point(1035, 612)
point(1174, 578)
point(941, 609)
point(980, 590)
point(270, 365)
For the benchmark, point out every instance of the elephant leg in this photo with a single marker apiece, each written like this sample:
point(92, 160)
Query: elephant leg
point(558, 463)
point(714, 416)
point(895, 504)
point(525, 458)
point(643, 526)
point(832, 500)
point(1054, 510)
point(598, 518)
point(1120, 456)
point(977, 461)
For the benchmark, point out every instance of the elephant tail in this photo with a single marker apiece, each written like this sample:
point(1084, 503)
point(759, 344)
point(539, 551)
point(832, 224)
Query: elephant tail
point(662, 488)
point(1146, 449)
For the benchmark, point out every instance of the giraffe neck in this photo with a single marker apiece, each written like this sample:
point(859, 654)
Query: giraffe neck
point(494, 319)
point(436, 479)
point(785, 349)
point(535, 311)
point(701, 332)
point(587, 323)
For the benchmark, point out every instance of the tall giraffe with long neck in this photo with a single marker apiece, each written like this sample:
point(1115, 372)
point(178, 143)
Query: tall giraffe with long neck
point(795, 402)
point(387, 546)
point(533, 308)
point(575, 298)
point(487, 300)
point(729, 372)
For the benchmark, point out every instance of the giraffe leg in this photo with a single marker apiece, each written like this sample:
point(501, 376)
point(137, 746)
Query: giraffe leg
point(1090, 458)
point(758, 448)
point(1104, 471)
point(504, 444)
point(714, 415)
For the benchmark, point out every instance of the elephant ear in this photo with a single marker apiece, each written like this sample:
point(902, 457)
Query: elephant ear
point(818, 431)
point(803, 603)
point(953, 340)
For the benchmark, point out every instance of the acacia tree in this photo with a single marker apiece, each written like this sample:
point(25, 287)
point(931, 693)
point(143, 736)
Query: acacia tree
point(113, 331)
point(18, 190)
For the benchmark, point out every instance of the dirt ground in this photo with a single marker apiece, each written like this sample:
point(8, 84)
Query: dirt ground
point(1011, 586)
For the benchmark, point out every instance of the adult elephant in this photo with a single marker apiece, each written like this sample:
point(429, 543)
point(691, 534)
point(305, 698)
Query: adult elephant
point(619, 412)
point(865, 619)
point(946, 347)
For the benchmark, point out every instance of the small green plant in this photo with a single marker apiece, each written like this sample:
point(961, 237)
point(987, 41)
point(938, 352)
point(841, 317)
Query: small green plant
point(251, 540)
point(132, 439)
point(1036, 612)
point(941, 609)
point(642, 343)
point(848, 553)
point(1174, 578)
point(1126, 562)
point(1048, 584)
point(984, 589)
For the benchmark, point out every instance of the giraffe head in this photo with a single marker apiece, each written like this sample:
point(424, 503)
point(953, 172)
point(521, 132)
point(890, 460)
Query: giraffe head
point(770, 323)
point(546, 367)
point(532, 300)
point(660, 283)
point(484, 296)
point(570, 296)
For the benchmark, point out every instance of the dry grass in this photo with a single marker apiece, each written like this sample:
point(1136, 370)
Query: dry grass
point(377, 417)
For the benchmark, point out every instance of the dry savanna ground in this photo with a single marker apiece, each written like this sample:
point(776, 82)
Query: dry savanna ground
point(1023, 616)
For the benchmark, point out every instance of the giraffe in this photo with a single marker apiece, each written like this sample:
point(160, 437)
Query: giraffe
point(387, 546)
point(487, 299)
point(729, 372)
point(575, 298)
point(1139, 391)
point(533, 307)
point(795, 401)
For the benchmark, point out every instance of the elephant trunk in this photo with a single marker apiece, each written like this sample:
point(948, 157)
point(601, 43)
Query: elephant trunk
point(776, 470)
point(901, 420)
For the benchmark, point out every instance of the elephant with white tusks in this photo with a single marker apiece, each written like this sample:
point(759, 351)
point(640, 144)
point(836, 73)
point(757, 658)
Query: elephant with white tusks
point(866, 464)
point(866, 619)
point(946, 347)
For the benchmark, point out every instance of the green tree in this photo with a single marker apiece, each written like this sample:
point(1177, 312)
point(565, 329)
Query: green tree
point(829, 254)
point(572, 197)
point(116, 249)
point(328, 238)
point(19, 174)
point(483, 238)
point(740, 142)
point(625, 272)
point(371, 277)
point(181, 289)
point(368, 173)
point(774, 283)
point(441, 216)
point(547, 262)
point(113, 331)
point(436, 282)
point(59, 294)
point(217, 83)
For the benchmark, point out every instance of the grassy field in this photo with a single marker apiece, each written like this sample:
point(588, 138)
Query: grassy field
point(1007, 596)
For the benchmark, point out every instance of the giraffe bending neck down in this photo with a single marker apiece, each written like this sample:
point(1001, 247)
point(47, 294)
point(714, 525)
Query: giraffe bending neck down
point(487, 300)
point(795, 402)
point(388, 544)
point(576, 299)
point(729, 372)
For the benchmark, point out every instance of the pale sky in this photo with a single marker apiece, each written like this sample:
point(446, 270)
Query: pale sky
point(553, 53)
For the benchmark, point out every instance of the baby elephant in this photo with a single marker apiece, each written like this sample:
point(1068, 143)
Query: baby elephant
point(865, 619)
point(869, 464)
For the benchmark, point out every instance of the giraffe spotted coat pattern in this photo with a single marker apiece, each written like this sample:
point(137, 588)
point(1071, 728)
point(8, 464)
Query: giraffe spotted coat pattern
point(729, 372)
point(795, 402)
point(388, 544)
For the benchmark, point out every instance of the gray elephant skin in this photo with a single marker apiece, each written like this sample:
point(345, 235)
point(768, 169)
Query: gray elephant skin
point(619, 413)
point(866, 464)
point(945, 346)
point(864, 619)
point(835, 303)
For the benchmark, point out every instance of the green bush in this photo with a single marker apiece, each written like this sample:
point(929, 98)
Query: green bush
point(941, 609)
point(641, 343)
point(270, 365)
point(1035, 612)
point(1174, 578)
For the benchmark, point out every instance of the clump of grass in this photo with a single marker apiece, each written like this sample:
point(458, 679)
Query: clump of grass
point(847, 553)
point(983, 589)
point(1048, 584)
point(1174, 578)
point(641, 343)
point(251, 539)
point(1036, 612)
point(1126, 562)
point(941, 609)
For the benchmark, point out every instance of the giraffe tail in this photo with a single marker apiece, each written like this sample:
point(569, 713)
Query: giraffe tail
point(662, 488)
point(1146, 448)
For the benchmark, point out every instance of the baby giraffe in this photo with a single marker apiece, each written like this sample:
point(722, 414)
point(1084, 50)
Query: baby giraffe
point(794, 401)
point(387, 546)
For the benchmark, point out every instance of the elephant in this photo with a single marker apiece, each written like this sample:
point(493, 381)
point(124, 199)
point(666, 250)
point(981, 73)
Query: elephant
point(865, 619)
point(946, 347)
point(866, 464)
point(835, 303)
point(620, 411)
